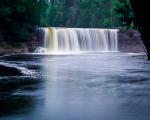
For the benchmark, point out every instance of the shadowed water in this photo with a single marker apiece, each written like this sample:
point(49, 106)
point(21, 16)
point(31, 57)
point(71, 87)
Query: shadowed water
point(95, 86)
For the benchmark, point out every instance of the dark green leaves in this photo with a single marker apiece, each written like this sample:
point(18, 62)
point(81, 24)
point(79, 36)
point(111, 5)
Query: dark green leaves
point(19, 17)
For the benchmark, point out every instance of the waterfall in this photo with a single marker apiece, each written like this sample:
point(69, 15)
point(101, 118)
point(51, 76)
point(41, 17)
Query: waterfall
point(78, 39)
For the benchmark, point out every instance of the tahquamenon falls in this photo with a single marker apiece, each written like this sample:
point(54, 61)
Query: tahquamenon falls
point(76, 40)
point(99, 84)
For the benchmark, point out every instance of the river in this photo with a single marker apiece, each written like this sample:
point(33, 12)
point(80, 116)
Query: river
point(89, 86)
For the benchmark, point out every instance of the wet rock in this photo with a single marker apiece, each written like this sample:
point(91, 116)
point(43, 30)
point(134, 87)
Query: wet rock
point(130, 41)
point(9, 71)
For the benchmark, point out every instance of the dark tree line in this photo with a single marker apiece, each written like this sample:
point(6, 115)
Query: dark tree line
point(91, 13)
point(19, 17)
point(124, 13)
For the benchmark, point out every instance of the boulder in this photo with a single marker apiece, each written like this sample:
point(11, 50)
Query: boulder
point(9, 71)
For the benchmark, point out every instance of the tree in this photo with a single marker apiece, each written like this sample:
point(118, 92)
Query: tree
point(140, 10)
point(19, 17)
point(124, 13)
point(81, 13)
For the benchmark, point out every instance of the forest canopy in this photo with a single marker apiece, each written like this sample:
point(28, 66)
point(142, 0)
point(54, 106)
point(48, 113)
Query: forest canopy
point(19, 17)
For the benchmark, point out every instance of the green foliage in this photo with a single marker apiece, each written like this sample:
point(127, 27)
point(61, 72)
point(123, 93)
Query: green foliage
point(124, 13)
point(81, 13)
point(91, 13)
point(19, 17)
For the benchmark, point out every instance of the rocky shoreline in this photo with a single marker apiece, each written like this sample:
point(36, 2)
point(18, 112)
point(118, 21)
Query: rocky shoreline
point(5, 51)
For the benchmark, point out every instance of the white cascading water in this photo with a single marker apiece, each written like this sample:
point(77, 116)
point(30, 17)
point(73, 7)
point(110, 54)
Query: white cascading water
point(78, 40)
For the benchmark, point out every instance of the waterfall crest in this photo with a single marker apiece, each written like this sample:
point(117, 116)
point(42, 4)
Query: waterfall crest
point(78, 39)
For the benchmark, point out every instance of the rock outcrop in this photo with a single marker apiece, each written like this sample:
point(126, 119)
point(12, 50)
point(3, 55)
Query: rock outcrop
point(9, 71)
point(130, 41)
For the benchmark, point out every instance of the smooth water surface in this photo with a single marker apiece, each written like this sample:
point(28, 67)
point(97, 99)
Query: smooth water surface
point(95, 86)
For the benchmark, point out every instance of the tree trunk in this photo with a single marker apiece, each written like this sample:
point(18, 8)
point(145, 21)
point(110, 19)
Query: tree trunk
point(141, 11)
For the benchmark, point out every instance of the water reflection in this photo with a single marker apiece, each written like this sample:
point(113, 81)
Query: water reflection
point(15, 104)
point(81, 87)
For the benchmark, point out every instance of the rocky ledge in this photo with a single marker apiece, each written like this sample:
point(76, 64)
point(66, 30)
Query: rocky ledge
point(8, 51)
point(130, 41)
point(9, 71)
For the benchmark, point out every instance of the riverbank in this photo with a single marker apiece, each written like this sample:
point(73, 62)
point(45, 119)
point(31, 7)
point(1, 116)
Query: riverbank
point(13, 50)
point(7, 48)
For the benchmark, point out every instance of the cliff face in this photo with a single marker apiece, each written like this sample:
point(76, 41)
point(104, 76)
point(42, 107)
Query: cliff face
point(130, 41)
